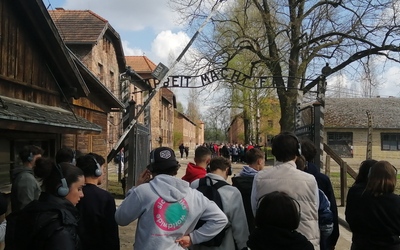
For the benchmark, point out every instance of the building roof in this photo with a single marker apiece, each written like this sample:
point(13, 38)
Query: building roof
point(141, 64)
point(179, 114)
point(351, 112)
point(169, 96)
point(42, 118)
point(86, 27)
point(78, 26)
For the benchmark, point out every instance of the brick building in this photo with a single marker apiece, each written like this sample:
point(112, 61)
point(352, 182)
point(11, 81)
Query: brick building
point(98, 46)
point(161, 106)
point(185, 131)
point(269, 126)
point(48, 96)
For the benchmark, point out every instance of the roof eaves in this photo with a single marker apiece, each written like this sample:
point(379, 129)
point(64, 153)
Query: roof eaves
point(112, 99)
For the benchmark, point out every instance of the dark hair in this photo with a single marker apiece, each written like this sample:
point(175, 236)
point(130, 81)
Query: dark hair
point(88, 164)
point(29, 150)
point(253, 155)
point(201, 153)
point(301, 163)
point(382, 178)
point(362, 176)
point(65, 154)
point(219, 162)
point(168, 171)
point(308, 149)
point(46, 170)
point(279, 210)
point(285, 146)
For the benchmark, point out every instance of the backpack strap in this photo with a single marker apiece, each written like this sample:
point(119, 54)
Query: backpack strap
point(219, 184)
point(207, 181)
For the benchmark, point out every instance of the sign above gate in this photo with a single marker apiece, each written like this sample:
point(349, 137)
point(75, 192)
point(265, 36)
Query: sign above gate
point(224, 74)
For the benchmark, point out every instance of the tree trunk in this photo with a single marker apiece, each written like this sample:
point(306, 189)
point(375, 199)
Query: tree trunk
point(287, 100)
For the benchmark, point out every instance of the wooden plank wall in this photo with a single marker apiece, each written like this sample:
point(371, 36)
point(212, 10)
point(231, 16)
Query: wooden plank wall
point(90, 143)
point(23, 71)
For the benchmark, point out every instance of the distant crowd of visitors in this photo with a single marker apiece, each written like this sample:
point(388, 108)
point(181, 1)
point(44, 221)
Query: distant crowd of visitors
point(57, 204)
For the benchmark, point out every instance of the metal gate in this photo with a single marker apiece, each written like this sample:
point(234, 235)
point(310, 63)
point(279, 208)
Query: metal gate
point(138, 155)
point(142, 149)
point(309, 124)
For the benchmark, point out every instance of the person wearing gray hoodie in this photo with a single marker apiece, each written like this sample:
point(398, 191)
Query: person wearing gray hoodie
point(25, 188)
point(167, 208)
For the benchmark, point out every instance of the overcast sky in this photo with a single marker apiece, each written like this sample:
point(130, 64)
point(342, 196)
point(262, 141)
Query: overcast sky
point(150, 28)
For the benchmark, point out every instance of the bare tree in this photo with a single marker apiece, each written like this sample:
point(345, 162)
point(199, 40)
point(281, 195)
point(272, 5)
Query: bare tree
point(292, 40)
point(216, 124)
point(369, 83)
point(192, 110)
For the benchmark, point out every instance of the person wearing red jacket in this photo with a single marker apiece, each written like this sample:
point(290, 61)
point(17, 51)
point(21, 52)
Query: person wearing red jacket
point(197, 170)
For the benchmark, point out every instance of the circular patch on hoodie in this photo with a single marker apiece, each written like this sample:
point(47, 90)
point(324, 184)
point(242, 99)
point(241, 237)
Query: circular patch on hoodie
point(170, 216)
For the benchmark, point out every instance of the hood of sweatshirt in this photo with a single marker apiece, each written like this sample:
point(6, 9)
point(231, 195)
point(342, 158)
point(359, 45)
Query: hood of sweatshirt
point(16, 171)
point(194, 172)
point(248, 171)
point(170, 188)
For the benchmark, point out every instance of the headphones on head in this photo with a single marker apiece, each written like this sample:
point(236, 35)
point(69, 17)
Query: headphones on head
point(63, 189)
point(229, 172)
point(73, 162)
point(98, 171)
point(152, 160)
point(30, 157)
point(298, 152)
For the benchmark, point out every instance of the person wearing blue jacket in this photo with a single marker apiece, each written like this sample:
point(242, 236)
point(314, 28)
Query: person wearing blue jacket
point(167, 208)
point(309, 151)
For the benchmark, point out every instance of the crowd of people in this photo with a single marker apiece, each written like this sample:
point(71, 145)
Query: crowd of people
point(57, 204)
point(290, 205)
point(235, 152)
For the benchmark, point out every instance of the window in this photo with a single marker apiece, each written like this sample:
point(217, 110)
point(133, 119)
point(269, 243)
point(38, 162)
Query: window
point(341, 143)
point(390, 141)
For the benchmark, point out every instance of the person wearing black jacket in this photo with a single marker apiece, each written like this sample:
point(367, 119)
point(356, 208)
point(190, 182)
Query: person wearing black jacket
point(244, 181)
point(49, 223)
point(97, 228)
point(309, 151)
point(374, 217)
point(277, 218)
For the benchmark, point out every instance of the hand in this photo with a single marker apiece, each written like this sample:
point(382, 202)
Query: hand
point(144, 177)
point(184, 241)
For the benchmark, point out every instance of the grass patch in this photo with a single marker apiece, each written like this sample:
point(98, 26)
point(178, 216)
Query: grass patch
point(114, 186)
point(335, 179)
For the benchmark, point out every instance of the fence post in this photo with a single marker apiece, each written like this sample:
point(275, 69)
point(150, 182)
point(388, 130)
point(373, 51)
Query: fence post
point(343, 183)
point(130, 181)
point(328, 165)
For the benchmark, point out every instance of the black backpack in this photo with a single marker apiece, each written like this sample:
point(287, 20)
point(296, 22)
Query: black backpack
point(210, 190)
